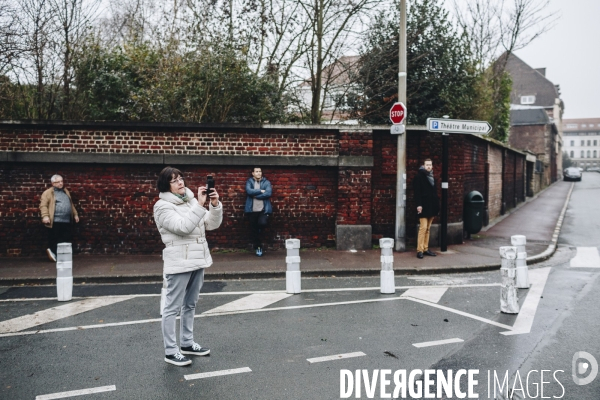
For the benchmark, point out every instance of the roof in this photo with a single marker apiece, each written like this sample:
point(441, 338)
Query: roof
point(528, 81)
point(529, 116)
point(581, 124)
point(340, 72)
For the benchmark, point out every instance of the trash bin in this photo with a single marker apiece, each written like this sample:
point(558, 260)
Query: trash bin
point(474, 211)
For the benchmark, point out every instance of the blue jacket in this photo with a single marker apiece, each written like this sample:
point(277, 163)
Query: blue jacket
point(255, 193)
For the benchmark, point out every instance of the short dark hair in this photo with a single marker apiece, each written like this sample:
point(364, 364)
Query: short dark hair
point(256, 166)
point(163, 184)
point(427, 159)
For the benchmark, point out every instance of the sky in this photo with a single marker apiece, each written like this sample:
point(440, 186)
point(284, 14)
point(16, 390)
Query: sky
point(571, 55)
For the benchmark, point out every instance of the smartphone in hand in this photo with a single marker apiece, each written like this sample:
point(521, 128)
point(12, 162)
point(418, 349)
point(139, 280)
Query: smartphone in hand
point(210, 184)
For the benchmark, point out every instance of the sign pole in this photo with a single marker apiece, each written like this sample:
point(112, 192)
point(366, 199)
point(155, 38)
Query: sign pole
point(400, 228)
point(444, 217)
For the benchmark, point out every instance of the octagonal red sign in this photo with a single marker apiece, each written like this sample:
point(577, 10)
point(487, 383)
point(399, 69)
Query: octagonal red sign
point(398, 113)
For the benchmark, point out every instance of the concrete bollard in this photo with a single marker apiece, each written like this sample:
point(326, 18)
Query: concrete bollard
point(64, 272)
point(292, 259)
point(388, 285)
point(508, 293)
point(522, 270)
point(163, 295)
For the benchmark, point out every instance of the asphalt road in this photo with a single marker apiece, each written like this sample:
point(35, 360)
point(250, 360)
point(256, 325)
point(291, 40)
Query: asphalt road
point(270, 343)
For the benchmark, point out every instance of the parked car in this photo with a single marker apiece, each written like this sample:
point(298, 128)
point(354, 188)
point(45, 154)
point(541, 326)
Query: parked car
point(572, 174)
point(593, 169)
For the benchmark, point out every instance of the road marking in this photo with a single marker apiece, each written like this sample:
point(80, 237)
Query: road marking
point(586, 257)
point(432, 295)
point(335, 357)
point(374, 288)
point(524, 321)
point(464, 314)
point(252, 302)
point(438, 342)
point(56, 313)
point(72, 393)
point(84, 327)
point(217, 373)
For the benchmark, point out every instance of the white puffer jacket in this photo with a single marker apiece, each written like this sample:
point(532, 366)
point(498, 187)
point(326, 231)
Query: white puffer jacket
point(182, 226)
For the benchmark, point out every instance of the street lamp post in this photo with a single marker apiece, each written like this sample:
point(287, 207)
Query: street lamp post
point(400, 231)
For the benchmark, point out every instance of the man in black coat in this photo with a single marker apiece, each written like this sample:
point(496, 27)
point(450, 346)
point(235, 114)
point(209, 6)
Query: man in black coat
point(427, 206)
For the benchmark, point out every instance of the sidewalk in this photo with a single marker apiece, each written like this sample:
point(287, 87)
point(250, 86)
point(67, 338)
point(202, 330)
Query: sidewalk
point(537, 219)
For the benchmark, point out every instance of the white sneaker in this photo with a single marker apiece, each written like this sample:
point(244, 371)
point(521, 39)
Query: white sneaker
point(51, 255)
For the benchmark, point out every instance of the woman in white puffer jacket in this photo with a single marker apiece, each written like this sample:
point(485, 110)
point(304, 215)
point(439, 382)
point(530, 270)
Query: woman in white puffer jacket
point(182, 222)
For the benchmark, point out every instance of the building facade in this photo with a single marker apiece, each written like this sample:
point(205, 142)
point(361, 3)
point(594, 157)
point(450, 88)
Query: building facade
point(582, 141)
point(536, 120)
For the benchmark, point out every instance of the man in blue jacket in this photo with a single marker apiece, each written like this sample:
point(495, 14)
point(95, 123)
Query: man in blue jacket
point(258, 206)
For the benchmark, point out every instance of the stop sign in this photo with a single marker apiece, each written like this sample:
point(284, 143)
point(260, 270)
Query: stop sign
point(398, 113)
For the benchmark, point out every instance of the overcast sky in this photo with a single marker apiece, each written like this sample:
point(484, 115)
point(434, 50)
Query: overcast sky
point(571, 55)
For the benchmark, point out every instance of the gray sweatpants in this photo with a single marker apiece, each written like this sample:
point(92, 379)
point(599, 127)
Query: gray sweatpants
point(182, 293)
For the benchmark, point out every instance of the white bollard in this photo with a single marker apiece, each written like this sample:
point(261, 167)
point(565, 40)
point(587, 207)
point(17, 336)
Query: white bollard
point(64, 272)
point(163, 295)
point(508, 293)
point(388, 285)
point(522, 270)
point(292, 259)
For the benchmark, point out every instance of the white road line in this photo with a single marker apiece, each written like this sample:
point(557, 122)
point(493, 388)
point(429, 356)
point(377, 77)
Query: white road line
point(432, 295)
point(335, 357)
point(72, 393)
point(55, 313)
point(524, 321)
point(252, 302)
point(217, 373)
point(84, 327)
point(366, 289)
point(438, 342)
point(464, 314)
point(586, 257)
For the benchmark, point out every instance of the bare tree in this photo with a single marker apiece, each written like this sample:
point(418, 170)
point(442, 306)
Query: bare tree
point(500, 27)
point(333, 23)
point(74, 19)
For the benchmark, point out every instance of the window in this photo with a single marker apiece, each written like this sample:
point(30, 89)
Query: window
point(595, 154)
point(572, 154)
point(527, 99)
point(539, 167)
point(588, 154)
point(595, 143)
point(583, 126)
point(582, 154)
point(589, 142)
point(573, 126)
point(572, 143)
point(583, 142)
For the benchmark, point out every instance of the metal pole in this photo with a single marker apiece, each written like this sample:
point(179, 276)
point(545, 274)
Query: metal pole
point(444, 217)
point(400, 231)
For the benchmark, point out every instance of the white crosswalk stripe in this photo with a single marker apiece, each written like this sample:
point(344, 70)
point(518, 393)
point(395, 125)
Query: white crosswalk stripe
point(586, 257)
point(56, 313)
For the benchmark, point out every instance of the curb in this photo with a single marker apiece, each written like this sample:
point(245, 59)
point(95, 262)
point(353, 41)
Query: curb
point(251, 275)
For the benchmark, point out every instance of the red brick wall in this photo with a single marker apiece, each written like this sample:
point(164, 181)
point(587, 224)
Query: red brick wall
point(115, 205)
point(304, 143)
point(115, 200)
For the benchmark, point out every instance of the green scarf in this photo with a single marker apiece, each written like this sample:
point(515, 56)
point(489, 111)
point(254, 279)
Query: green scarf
point(185, 197)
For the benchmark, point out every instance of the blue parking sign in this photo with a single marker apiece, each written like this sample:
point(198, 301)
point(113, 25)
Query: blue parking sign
point(434, 125)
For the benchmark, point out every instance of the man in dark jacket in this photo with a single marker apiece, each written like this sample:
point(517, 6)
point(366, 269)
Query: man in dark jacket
point(258, 206)
point(427, 206)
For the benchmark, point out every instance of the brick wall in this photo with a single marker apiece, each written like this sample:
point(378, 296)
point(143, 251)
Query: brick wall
point(315, 187)
point(251, 142)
